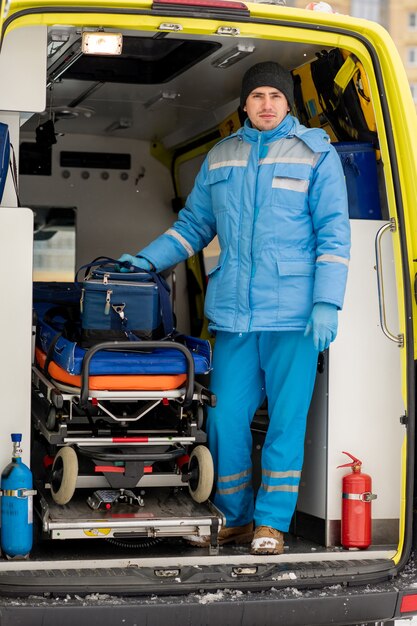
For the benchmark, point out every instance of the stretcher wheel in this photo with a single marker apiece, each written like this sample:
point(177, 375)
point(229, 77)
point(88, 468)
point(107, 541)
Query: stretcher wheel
point(51, 418)
point(64, 475)
point(201, 471)
point(200, 417)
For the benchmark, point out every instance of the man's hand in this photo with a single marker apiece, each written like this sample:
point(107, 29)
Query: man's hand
point(126, 260)
point(323, 324)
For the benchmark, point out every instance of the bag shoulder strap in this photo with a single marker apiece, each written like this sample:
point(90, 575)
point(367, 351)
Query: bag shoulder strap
point(166, 308)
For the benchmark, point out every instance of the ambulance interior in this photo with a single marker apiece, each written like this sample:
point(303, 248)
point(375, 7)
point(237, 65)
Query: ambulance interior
point(106, 160)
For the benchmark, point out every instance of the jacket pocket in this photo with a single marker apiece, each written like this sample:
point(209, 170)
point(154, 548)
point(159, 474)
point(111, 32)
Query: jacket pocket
point(290, 183)
point(218, 181)
point(210, 299)
point(296, 268)
point(295, 289)
point(214, 277)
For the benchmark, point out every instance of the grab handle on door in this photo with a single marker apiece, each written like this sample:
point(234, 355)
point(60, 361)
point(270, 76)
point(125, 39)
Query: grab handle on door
point(391, 227)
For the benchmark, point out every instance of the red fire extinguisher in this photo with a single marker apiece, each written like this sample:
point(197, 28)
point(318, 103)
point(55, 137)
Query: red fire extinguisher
point(357, 499)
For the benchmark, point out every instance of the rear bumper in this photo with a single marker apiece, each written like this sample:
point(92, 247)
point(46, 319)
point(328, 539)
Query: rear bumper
point(222, 607)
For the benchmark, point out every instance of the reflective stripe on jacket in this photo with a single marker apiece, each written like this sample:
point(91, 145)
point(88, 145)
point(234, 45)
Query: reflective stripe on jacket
point(277, 201)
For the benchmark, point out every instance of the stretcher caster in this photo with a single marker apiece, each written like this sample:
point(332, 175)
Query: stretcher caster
point(51, 418)
point(201, 472)
point(200, 417)
point(64, 475)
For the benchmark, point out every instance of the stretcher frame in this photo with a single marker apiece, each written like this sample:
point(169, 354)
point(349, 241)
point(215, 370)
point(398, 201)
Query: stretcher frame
point(66, 431)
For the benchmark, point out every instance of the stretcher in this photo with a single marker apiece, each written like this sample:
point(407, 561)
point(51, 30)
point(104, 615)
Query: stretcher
point(114, 421)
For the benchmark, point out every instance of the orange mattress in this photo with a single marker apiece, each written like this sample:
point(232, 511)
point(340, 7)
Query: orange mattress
point(129, 382)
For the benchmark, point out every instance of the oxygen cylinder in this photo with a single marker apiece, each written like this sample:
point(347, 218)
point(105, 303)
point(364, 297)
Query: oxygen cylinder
point(357, 496)
point(16, 505)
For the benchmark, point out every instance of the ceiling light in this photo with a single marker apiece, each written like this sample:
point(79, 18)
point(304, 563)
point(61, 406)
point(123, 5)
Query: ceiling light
point(121, 124)
point(233, 55)
point(162, 96)
point(102, 43)
point(69, 112)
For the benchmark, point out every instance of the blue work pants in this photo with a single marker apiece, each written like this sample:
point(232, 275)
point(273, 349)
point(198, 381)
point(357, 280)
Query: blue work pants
point(247, 367)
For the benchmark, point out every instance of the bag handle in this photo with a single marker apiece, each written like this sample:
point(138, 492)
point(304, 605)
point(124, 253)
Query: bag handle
point(98, 261)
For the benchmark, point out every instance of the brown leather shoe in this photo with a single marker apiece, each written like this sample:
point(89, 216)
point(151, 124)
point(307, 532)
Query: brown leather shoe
point(267, 540)
point(231, 534)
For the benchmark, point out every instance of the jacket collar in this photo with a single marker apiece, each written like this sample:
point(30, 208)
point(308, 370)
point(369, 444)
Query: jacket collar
point(287, 127)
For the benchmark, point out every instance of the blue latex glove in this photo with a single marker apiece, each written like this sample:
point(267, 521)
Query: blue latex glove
point(138, 262)
point(323, 324)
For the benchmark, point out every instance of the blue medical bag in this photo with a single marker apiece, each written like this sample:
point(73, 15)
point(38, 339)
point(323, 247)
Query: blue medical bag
point(118, 305)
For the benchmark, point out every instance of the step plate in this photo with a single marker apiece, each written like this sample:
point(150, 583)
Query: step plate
point(164, 514)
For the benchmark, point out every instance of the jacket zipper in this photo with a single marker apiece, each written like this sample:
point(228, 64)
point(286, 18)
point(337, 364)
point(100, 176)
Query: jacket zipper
point(255, 188)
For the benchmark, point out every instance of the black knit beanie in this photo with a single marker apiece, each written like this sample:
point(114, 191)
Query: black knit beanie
point(267, 74)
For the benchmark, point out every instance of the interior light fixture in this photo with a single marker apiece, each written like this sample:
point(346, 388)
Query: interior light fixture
point(102, 43)
point(233, 55)
point(122, 123)
point(162, 96)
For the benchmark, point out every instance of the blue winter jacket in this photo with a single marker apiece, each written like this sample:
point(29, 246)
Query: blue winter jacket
point(277, 201)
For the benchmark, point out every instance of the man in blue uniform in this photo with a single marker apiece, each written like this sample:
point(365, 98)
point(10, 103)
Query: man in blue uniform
point(275, 195)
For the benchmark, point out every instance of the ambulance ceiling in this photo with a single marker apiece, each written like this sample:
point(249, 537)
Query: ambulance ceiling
point(168, 87)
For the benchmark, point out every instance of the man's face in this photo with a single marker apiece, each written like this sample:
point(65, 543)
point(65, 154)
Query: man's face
point(266, 107)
